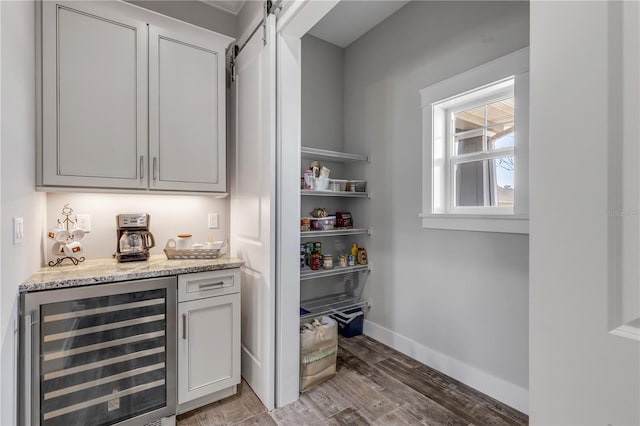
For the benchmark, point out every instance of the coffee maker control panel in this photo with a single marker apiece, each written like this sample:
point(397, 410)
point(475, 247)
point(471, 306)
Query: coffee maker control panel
point(133, 220)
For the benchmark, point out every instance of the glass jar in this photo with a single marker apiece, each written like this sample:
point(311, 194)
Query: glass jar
point(314, 262)
point(327, 261)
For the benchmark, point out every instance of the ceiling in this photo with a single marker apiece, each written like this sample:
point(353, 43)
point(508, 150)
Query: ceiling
point(231, 6)
point(343, 25)
point(351, 19)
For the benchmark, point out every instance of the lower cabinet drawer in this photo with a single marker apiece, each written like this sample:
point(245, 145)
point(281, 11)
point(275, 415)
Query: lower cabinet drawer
point(208, 284)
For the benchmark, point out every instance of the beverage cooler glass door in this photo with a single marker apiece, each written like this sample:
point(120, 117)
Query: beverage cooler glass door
point(99, 354)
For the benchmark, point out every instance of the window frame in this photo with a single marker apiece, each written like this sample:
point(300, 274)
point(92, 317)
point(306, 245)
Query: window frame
point(473, 86)
point(494, 92)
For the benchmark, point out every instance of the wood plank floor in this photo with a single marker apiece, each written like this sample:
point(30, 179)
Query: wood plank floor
point(375, 385)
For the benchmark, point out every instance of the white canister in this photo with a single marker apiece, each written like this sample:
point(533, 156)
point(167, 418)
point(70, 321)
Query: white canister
point(183, 241)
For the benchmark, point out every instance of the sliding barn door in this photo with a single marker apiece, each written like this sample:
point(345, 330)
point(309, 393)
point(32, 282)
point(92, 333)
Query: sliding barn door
point(253, 186)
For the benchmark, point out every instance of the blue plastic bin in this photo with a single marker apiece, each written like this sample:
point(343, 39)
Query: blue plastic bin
point(350, 322)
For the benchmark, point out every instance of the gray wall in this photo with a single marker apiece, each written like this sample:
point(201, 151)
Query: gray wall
point(17, 193)
point(461, 294)
point(322, 94)
point(580, 374)
point(196, 13)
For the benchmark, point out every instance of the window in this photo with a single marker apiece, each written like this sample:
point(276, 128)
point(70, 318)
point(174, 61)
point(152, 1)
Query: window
point(475, 148)
point(480, 161)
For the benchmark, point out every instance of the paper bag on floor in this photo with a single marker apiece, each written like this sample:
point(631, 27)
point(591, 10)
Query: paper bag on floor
point(318, 352)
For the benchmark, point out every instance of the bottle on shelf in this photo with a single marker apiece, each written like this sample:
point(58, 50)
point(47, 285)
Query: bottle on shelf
point(354, 249)
point(362, 256)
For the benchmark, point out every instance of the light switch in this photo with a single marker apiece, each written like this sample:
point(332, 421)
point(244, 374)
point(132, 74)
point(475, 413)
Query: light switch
point(18, 230)
point(213, 220)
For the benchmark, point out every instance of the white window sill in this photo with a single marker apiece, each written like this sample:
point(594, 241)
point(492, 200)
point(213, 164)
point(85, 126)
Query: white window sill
point(483, 223)
point(627, 331)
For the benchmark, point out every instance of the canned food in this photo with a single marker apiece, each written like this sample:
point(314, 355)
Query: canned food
point(342, 261)
point(351, 260)
point(308, 249)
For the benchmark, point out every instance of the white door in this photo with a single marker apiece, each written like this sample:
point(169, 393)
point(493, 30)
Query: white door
point(187, 135)
point(253, 186)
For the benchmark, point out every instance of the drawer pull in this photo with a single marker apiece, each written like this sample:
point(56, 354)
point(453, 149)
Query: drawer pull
point(210, 285)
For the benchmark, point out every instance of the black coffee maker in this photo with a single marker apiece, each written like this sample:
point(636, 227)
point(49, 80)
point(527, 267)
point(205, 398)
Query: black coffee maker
point(134, 238)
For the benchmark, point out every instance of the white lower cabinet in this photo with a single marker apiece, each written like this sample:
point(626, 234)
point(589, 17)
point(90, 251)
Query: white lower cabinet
point(208, 337)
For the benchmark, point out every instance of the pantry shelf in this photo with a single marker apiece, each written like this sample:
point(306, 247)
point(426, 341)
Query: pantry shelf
point(335, 193)
point(335, 232)
point(326, 155)
point(331, 304)
point(308, 274)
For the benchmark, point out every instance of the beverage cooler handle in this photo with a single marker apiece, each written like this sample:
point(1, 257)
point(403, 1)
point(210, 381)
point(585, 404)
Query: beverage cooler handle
point(28, 366)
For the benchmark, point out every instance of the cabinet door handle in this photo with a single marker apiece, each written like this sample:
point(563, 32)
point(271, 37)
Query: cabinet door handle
point(155, 168)
point(184, 326)
point(210, 285)
point(142, 167)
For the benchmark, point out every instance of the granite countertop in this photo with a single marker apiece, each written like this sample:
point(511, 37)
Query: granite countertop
point(106, 270)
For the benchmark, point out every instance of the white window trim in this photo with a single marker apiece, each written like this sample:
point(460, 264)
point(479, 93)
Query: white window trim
point(434, 208)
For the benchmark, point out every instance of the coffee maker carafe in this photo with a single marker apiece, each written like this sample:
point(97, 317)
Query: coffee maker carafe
point(134, 238)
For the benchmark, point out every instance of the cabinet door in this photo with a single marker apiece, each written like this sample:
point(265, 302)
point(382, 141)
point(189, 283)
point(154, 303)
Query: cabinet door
point(94, 95)
point(208, 346)
point(187, 135)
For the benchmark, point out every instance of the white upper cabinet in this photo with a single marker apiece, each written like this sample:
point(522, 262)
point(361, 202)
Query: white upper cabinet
point(186, 108)
point(94, 95)
point(130, 100)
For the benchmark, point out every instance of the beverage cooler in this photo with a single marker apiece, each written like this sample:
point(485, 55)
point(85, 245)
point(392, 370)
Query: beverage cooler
point(99, 354)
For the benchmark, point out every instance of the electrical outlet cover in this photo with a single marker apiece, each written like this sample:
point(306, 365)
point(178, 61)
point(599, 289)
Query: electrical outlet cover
point(213, 220)
point(84, 222)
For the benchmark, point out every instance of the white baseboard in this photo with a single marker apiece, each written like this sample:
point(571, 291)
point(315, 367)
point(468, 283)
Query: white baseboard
point(505, 392)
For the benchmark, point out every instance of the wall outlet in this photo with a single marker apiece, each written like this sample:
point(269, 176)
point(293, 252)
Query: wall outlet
point(18, 230)
point(83, 221)
point(213, 220)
